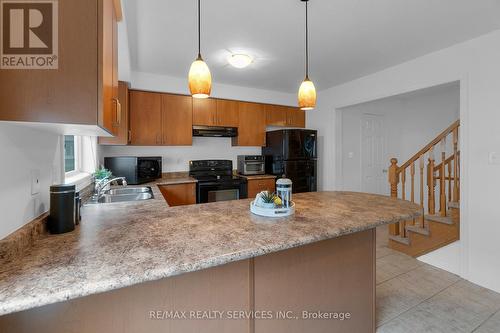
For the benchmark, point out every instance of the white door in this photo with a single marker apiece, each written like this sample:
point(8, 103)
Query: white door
point(373, 159)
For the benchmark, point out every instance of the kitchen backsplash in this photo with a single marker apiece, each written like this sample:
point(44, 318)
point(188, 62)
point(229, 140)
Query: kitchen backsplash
point(177, 158)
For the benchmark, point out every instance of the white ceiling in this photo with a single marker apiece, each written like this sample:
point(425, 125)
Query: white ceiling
point(348, 38)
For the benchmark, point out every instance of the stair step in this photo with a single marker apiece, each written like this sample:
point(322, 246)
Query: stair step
point(454, 204)
point(418, 230)
point(440, 219)
point(399, 239)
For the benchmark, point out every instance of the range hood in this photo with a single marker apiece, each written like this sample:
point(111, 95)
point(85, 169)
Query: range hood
point(224, 132)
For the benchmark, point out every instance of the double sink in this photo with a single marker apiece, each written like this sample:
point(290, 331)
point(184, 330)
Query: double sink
point(124, 194)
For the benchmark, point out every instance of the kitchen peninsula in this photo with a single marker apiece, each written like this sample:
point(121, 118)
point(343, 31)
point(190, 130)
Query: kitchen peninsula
point(130, 267)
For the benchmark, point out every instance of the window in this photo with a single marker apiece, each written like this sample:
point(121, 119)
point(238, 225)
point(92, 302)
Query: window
point(79, 159)
point(70, 154)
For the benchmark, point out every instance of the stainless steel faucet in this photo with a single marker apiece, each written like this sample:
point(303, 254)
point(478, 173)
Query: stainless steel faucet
point(101, 184)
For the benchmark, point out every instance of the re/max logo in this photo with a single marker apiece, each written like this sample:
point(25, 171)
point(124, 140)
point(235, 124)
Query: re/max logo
point(29, 34)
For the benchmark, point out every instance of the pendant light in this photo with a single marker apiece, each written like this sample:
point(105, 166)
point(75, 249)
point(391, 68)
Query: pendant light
point(307, 91)
point(199, 78)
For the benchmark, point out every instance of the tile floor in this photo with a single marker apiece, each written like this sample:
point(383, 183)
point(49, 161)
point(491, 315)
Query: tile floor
point(414, 297)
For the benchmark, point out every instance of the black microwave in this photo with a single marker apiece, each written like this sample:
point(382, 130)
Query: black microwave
point(136, 170)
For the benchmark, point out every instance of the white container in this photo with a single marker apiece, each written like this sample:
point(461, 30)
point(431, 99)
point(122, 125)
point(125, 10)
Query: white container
point(284, 191)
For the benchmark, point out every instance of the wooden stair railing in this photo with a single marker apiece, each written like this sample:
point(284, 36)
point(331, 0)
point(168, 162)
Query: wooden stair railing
point(445, 174)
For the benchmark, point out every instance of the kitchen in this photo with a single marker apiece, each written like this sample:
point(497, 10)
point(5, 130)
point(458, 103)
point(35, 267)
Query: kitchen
point(169, 172)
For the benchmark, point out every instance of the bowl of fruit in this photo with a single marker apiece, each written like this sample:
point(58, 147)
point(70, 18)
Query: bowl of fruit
point(268, 204)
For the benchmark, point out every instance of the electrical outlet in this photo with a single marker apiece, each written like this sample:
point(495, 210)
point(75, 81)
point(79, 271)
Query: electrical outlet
point(35, 181)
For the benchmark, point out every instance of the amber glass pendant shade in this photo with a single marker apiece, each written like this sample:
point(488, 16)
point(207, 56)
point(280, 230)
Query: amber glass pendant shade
point(307, 91)
point(200, 79)
point(307, 95)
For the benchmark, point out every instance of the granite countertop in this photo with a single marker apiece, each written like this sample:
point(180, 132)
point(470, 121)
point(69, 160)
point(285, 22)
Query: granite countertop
point(252, 177)
point(171, 178)
point(122, 244)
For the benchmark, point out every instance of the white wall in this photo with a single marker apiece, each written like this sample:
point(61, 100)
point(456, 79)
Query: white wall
point(476, 64)
point(176, 85)
point(23, 150)
point(411, 121)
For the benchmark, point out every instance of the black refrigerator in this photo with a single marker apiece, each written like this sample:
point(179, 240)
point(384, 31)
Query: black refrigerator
point(293, 153)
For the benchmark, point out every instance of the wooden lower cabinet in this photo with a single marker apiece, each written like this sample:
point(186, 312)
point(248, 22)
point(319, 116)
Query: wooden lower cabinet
point(332, 276)
point(256, 186)
point(335, 276)
point(179, 194)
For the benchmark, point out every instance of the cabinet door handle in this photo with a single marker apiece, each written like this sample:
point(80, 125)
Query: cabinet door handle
point(118, 112)
point(158, 139)
point(129, 140)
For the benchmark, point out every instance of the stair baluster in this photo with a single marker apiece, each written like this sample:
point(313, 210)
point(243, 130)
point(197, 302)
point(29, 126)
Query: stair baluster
point(412, 189)
point(431, 184)
point(393, 181)
point(450, 192)
point(421, 167)
point(442, 184)
point(455, 165)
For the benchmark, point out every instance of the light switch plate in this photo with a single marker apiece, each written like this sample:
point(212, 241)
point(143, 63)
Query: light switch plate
point(35, 181)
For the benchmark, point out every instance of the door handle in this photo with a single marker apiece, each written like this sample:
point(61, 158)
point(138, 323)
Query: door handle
point(118, 112)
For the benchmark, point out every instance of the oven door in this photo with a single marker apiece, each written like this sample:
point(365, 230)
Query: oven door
point(254, 168)
point(214, 191)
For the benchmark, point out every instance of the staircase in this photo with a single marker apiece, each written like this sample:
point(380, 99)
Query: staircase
point(441, 183)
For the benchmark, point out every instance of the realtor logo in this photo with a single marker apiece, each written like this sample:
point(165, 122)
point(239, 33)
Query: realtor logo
point(29, 34)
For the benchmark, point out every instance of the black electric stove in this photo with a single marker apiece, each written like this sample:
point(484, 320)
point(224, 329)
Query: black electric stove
point(216, 181)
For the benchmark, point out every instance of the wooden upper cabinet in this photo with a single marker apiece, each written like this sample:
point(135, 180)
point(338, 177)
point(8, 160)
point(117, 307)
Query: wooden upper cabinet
point(109, 68)
point(227, 113)
point(215, 112)
point(285, 116)
point(122, 125)
point(204, 112)
point(82, 90)
point(252, 125)
point(295, 117)
point(177, 120)
point(145, 118)
point(276, 115)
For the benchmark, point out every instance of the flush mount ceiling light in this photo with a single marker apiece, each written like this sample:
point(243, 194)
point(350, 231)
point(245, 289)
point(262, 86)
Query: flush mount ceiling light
point(239, 60)
point(307, 91)
point(199, 77)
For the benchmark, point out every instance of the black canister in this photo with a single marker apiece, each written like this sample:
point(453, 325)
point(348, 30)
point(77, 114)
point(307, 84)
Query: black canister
point(62, 209)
